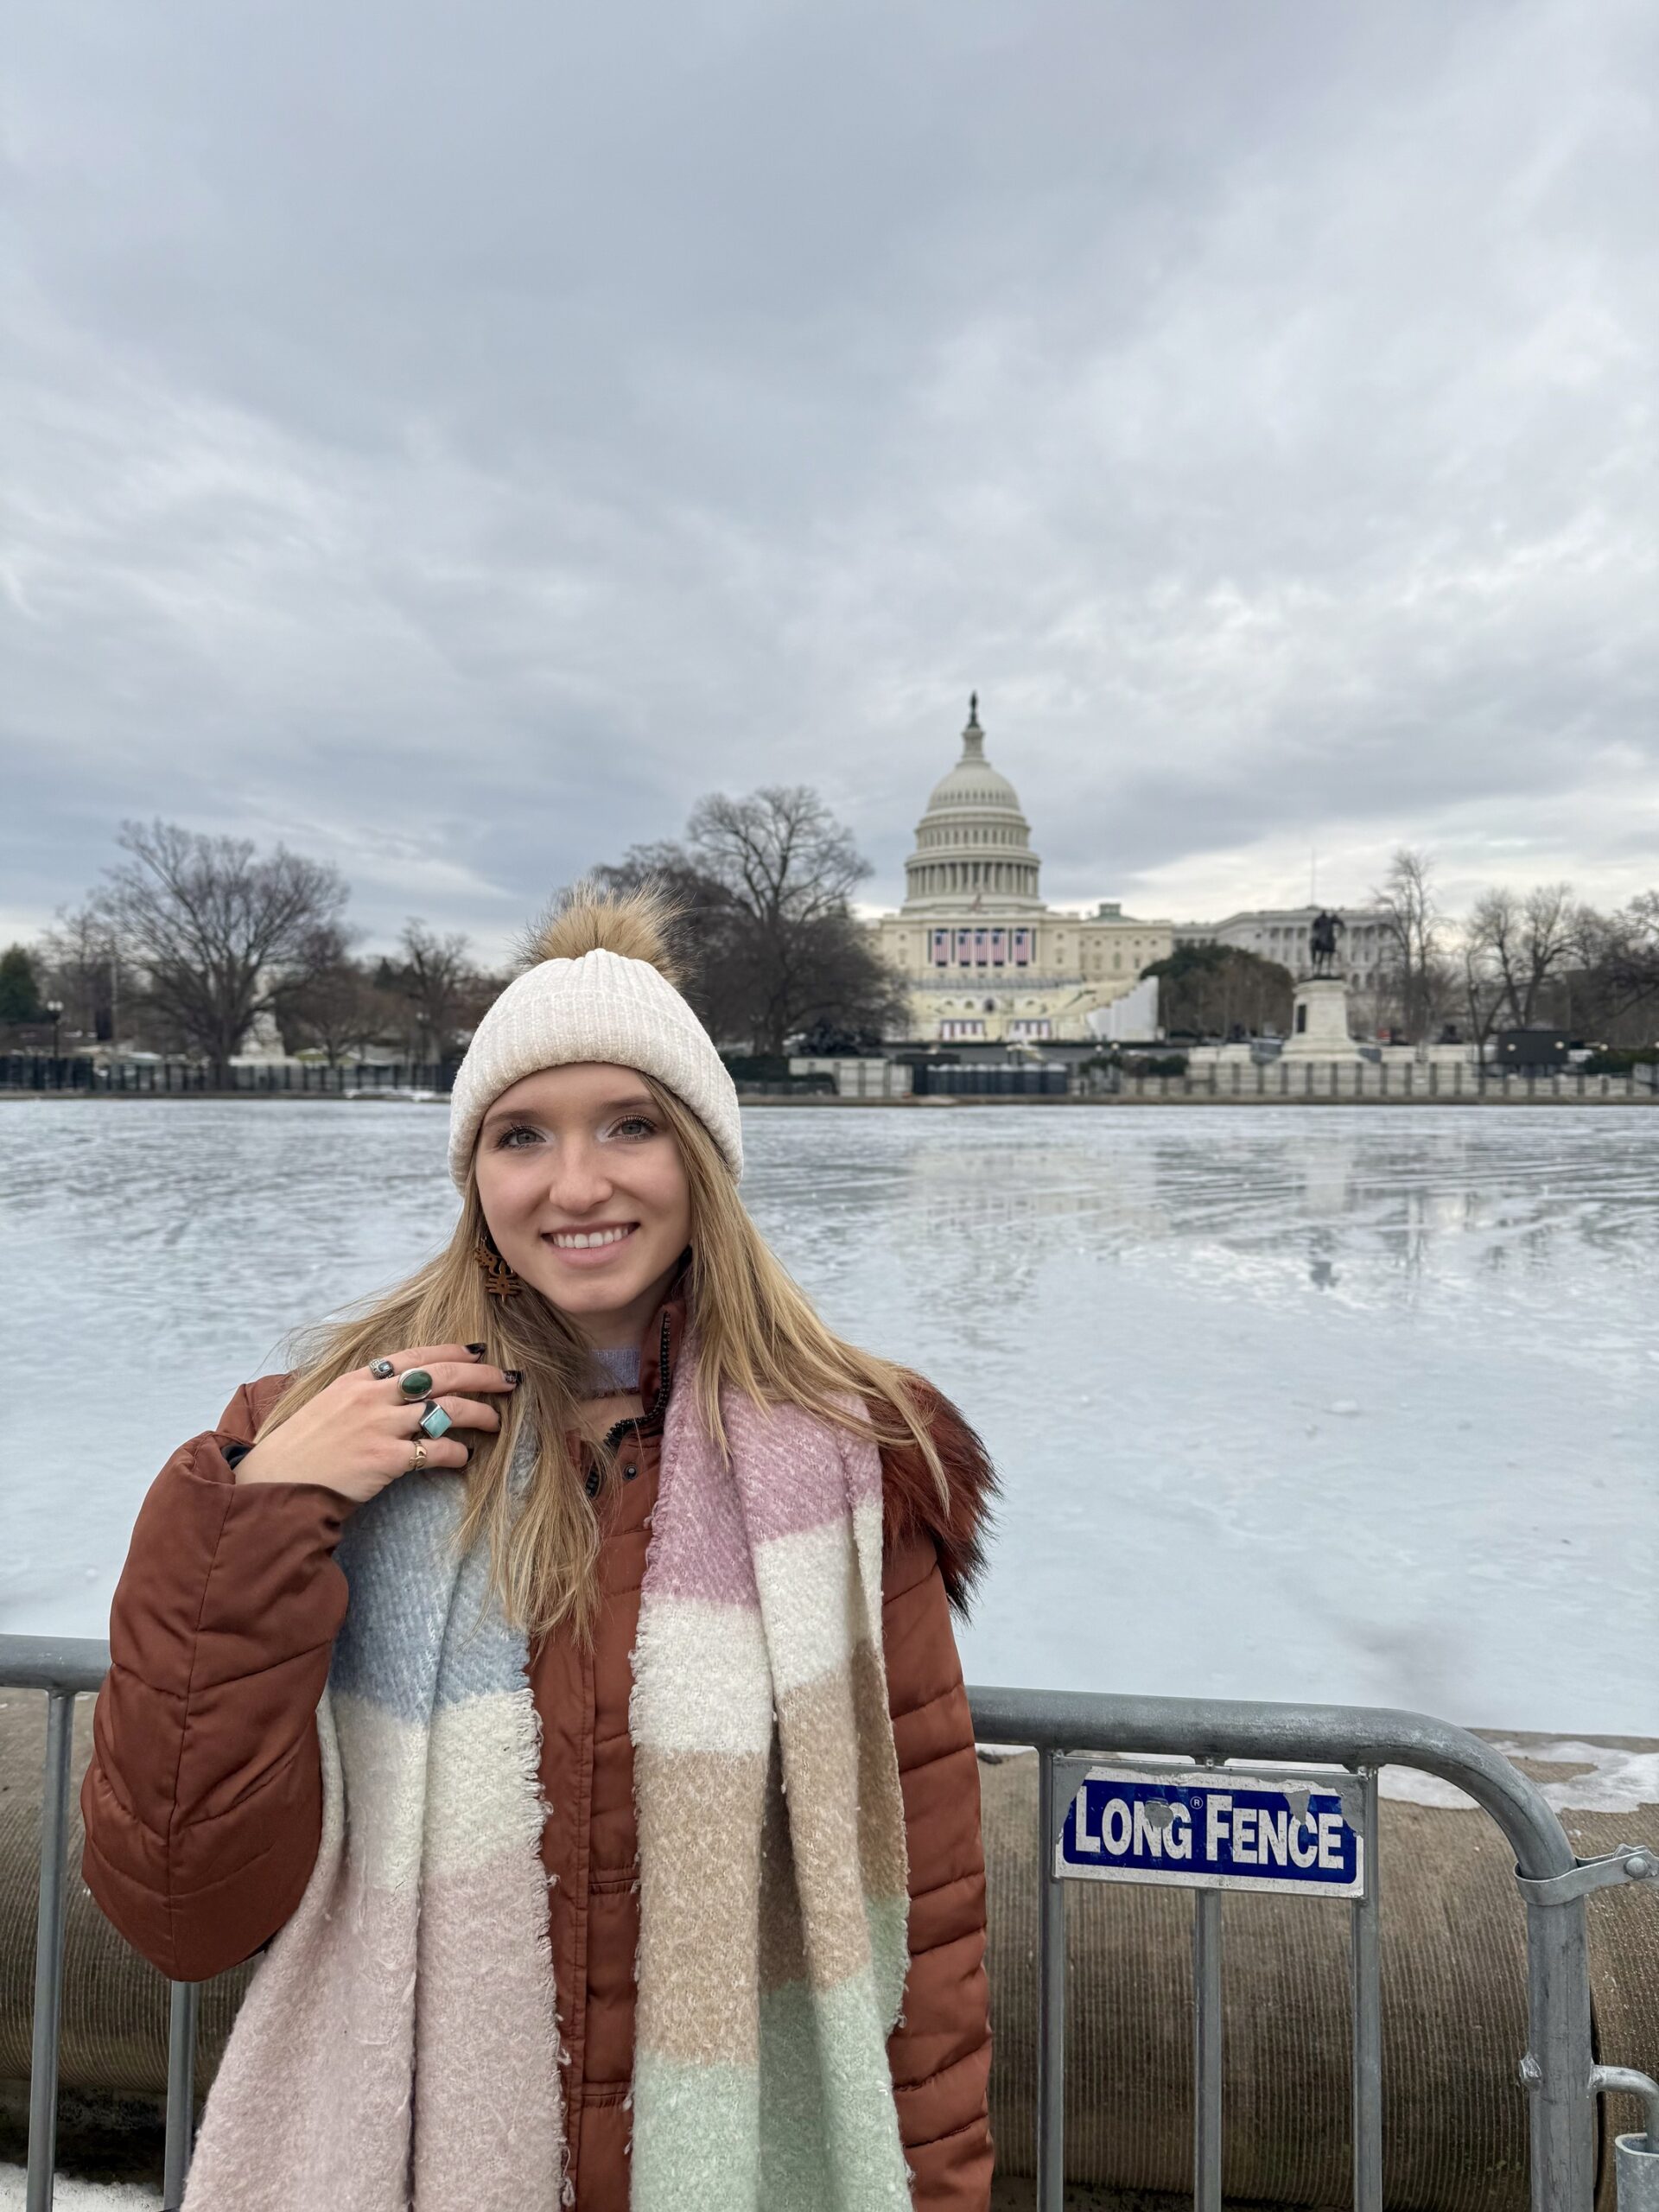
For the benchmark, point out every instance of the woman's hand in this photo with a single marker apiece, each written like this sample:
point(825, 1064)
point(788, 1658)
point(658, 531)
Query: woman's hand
point(360, 1433)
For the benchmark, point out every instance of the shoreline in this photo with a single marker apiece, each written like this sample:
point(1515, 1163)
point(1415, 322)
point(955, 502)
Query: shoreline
point(1493, 1096)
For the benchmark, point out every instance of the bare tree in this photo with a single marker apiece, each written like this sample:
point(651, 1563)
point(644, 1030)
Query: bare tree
point(1414, 923)
point(333, 1006)
point(788, 868)
point(429, 978)
point(216, 930)
point(82, 972)
point(779, 853)
point(1524, 942)
point(1617, 988)
point(764, 927)
point(443, 990)
point(1483, 994)
point(1633, 955)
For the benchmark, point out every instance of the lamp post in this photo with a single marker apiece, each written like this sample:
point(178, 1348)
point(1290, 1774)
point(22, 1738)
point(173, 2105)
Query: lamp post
point(54, 1008)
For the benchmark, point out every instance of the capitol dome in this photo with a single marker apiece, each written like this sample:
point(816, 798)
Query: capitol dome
point(973, 845)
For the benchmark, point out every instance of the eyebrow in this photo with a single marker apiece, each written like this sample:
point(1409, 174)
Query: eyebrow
point(640, 1101)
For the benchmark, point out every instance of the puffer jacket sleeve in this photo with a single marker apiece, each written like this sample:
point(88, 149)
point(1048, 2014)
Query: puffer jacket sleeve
point(940, 2053)
point(203, 1802)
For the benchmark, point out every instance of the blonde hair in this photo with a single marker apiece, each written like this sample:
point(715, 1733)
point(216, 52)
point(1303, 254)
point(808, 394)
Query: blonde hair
point(756, 1332)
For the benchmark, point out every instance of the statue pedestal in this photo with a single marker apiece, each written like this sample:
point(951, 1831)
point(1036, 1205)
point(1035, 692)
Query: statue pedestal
point(1320, 1024)
point(262, 1045)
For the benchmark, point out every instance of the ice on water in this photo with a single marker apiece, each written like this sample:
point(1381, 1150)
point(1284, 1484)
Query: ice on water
point(1347, 1403)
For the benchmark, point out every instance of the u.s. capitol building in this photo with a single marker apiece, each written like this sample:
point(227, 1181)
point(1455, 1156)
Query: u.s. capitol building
point(983, 955)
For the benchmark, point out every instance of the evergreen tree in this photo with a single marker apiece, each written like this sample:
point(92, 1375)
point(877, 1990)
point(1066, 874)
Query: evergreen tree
point(20, 988)
point(1211, 990)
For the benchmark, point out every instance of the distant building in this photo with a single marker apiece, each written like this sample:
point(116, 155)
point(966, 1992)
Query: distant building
point(1281, 933)
point(984, 958)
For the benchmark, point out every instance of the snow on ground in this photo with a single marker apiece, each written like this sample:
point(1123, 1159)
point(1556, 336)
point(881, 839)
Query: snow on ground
point(1352, 1404)
point(1594, 1778)
point(79, 2195)
point(1607, 1780)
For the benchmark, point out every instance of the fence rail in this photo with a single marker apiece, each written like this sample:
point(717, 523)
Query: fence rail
point(1558, 2067)
point(1314, 1081)
point(1308, 1082)
point(146, 1078)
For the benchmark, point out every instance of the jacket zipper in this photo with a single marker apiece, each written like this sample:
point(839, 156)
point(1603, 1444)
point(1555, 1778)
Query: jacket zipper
point(615, 1434)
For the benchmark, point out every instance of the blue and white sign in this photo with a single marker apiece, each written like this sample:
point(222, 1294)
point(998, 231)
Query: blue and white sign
point(1212, 1828)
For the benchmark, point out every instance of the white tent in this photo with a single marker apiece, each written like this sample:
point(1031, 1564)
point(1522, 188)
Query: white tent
point(1132, 1019)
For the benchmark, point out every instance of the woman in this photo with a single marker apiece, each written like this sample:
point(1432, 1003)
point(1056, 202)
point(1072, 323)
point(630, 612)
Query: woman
point(611, 1812)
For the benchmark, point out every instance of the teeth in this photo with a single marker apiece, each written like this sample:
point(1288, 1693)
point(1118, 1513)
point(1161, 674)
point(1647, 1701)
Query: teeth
point(578, 1240)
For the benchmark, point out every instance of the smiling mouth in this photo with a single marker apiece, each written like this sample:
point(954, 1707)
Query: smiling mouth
point(589, 1240)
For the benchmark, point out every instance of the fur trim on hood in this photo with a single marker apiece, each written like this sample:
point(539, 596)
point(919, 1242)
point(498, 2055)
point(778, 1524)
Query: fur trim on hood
point(911, 1504)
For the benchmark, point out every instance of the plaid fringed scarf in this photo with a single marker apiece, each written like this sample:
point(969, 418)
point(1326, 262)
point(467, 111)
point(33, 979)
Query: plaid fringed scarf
point(398, 2047)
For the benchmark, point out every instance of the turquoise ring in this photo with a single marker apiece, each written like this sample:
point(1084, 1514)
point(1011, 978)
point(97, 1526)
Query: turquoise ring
point(435, 1421)
point(414, 1381)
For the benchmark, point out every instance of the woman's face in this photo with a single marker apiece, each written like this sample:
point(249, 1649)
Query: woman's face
point(585, 1193)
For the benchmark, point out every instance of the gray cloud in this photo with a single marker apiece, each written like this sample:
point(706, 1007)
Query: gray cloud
point(455, 440)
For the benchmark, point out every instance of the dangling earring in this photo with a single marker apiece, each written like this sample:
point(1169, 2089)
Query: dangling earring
point(499, 1281)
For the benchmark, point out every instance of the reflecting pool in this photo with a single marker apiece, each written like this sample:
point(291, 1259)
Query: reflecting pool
point(1351, 1403)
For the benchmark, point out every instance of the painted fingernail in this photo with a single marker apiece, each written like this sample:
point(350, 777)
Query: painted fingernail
point(513, 1374)
point(477, 1350)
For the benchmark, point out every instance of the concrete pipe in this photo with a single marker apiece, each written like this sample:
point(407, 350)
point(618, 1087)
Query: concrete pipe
point(115, 2003)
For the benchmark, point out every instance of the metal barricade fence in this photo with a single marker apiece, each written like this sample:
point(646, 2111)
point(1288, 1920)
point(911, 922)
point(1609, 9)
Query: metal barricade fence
point(1558, 2067)
point(1071, 1734)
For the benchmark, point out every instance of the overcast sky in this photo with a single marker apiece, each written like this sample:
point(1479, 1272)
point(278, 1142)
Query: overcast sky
point(452, 439)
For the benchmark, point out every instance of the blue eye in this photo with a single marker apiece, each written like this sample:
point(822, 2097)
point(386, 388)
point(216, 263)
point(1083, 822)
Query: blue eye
point(508, 1139)
point(636, 1122)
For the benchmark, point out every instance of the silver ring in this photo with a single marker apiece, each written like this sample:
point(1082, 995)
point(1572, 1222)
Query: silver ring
point(382, 1369)
point(435, 1421)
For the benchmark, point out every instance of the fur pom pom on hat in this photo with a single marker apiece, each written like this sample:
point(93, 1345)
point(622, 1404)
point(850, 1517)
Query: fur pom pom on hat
point(602, 989)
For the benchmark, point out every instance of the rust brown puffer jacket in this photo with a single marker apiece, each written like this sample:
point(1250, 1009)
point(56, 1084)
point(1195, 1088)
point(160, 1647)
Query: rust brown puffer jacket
point(203, 1801)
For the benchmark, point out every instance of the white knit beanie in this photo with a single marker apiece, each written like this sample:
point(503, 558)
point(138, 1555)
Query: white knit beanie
point(603, 1006)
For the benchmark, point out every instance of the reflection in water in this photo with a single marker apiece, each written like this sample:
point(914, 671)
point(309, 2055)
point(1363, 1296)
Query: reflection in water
point(1409, 1196)
point(1352, 1403)
point(1318, 1387)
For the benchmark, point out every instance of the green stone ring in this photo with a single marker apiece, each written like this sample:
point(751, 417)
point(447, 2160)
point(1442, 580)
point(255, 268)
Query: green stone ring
point(415, 1383)
point(435, 1421)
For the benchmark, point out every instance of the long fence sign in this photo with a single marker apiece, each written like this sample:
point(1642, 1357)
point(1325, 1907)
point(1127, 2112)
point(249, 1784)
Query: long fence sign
point(1216, 1829)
